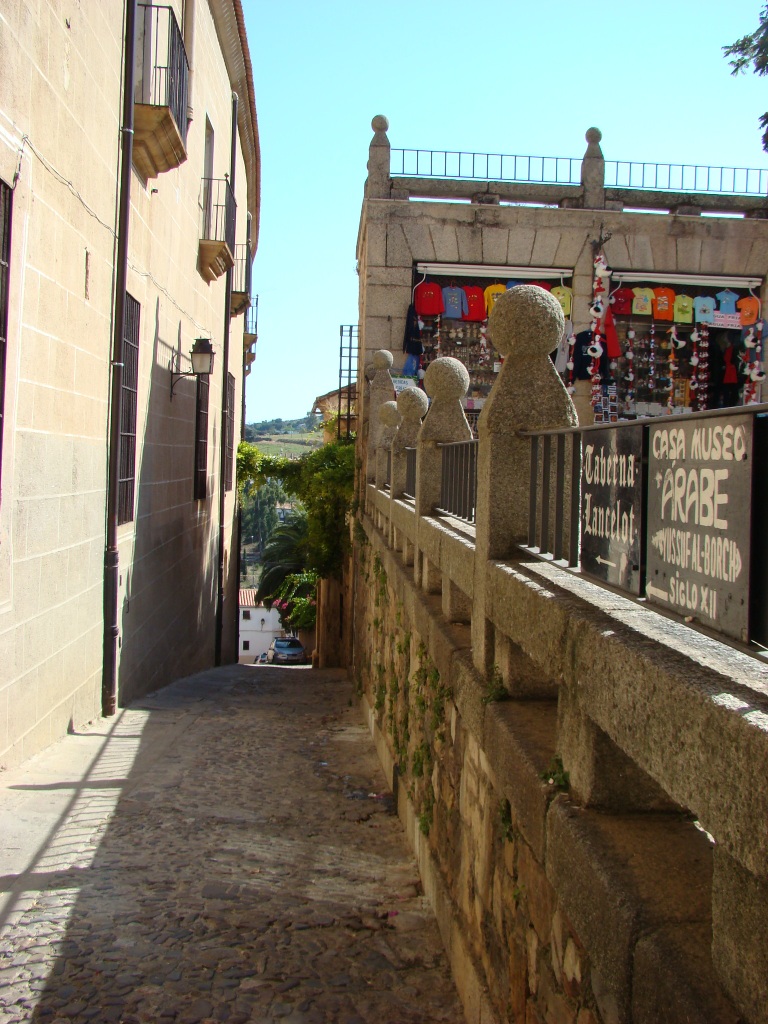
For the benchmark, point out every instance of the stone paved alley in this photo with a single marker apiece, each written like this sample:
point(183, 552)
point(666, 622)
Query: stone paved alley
point(224, 850)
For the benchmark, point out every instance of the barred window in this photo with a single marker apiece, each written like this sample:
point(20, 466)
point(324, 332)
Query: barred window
point(229, 455)
point(6, 195)
point(126, 480)
point(201, 439)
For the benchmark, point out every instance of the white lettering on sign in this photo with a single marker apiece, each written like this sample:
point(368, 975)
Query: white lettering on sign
point(610, 522)
point(607, 470)
point(694, 495)
point(709, 555)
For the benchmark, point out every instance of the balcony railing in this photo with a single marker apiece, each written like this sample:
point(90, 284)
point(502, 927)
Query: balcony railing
point(551, 170)
point(160, 92)
point(241, 279)
point(252, 322)
point(458, 492)
point(217, 227)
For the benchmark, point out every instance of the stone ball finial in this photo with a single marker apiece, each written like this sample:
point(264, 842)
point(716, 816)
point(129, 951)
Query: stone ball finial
point(382, 360)
point(593, 135)
point(412, 404)
point(526, 321)
point(389, 414)
point(447, 378)
point(379, 123)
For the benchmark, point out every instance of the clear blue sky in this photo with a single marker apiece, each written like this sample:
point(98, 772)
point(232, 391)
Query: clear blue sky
point(487, 77)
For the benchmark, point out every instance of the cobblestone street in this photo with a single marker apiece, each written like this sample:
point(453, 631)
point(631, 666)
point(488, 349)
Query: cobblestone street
point(222, 851)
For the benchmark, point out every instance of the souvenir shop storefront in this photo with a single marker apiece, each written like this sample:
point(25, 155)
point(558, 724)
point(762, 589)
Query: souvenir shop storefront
point(656, 343)
point(449, 313)
point(663, 343)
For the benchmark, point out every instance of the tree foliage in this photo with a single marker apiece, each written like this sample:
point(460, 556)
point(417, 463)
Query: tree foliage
point(323, 481)
point(752, 51)
point(284, 555)
point(260, 517)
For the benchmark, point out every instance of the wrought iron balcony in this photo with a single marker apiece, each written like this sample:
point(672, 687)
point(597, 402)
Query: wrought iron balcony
point(241, 280)
point(160, 92)
point(216, 252)
point(250, 333)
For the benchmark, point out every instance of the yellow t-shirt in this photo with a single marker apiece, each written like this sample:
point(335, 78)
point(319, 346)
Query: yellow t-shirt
point(564, 296)
point(643, 300)
point(684, 309)
point(491, 293)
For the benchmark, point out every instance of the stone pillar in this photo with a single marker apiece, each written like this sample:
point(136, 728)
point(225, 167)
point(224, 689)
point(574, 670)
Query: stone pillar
point(381, 390)
point(377, 183)
point(446, 382)
point(412, 404)
point(389, 418)
point(525, 325)
point(593, 171)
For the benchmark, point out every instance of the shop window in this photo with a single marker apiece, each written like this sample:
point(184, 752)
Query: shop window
point(126, 481)
point(229, 452)
point(201, 439)
point(246, 615)
point(6, 196)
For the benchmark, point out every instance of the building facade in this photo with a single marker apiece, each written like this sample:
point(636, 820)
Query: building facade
point(118, 565)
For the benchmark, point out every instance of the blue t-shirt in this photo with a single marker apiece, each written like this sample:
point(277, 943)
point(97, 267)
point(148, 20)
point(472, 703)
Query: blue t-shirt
point(455, 302)
point(704, 309)
point(727, 300)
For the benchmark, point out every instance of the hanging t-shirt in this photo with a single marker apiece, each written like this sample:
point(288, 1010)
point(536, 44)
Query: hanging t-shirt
point(643, 301)
point(663, 303)
point(542, 284)
point(492, 292)
point(513, 284)
point(428, 299)
point(475, 302)
point(727, 300)
point(749, 308)
point(684, 309)
point(455, 302)
point(563, 348)
point(564, 296)
point(704, 309)
point(621, 301)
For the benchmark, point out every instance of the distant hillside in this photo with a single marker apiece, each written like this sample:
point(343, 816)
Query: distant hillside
point(271, 428)
point(285, 437)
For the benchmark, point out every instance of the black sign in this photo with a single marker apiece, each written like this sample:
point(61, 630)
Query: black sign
point(699, 507)
point(611, 505)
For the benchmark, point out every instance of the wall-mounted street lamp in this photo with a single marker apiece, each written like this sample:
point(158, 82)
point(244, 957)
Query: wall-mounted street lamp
point(201, 355)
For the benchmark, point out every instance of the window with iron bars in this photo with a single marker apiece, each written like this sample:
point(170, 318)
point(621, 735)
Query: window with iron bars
point(201, 439)
point(126, 480)
point(229, 454)
point(6, 195)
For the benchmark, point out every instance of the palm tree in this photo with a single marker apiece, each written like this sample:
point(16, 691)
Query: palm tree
point(284, 554)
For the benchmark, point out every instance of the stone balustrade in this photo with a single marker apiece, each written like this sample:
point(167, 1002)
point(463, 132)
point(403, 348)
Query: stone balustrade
point(585, 781)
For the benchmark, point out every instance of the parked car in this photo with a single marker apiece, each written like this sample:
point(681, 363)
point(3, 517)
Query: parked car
point(286, 650)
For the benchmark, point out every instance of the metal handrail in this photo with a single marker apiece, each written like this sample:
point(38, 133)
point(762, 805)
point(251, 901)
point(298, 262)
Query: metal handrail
point(241, 272)
point(552, 170)
point(162, 72)
point(252, 317)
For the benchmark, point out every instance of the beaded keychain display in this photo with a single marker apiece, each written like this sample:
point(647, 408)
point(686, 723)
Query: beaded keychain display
point(651, 362)
point(629, 376)
point(753, 343)
point(694, 364)
point(703, 368)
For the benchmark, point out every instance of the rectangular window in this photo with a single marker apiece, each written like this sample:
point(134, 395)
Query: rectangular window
point(6, 195)
point(246, 645)
point(246, 614)
point(229, 455)
point(201, 439)
point(126, 481)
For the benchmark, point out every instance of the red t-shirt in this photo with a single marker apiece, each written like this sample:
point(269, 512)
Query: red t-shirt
point(621, 302)
point(663, 304)
point(428, 299)
point(546, 285)
point(475, 301)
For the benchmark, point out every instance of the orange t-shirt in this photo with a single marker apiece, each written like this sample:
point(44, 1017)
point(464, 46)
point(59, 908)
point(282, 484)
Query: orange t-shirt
point(663, 304)
point(749, 309)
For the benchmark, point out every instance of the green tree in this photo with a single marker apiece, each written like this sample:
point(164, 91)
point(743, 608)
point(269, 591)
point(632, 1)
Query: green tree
point(260, 511)
point(751, 51)
point(285, 555)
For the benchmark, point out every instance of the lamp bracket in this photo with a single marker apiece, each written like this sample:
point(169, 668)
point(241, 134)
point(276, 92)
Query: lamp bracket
point(177, 374)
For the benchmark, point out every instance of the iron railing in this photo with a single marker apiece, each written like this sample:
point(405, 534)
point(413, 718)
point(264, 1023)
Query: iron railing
point(241, 272)
point(162, 69)
point(546, 170)
point(458, 491)
point(425, 163)
point(252, 317)
point(686, 178)
point(217, 212)
point(410, 473)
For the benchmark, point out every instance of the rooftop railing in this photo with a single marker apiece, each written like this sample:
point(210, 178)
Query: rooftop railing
point(424, 163)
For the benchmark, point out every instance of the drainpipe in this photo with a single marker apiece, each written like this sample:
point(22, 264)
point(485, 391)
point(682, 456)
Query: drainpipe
point(224, 410)
point(111, 555)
